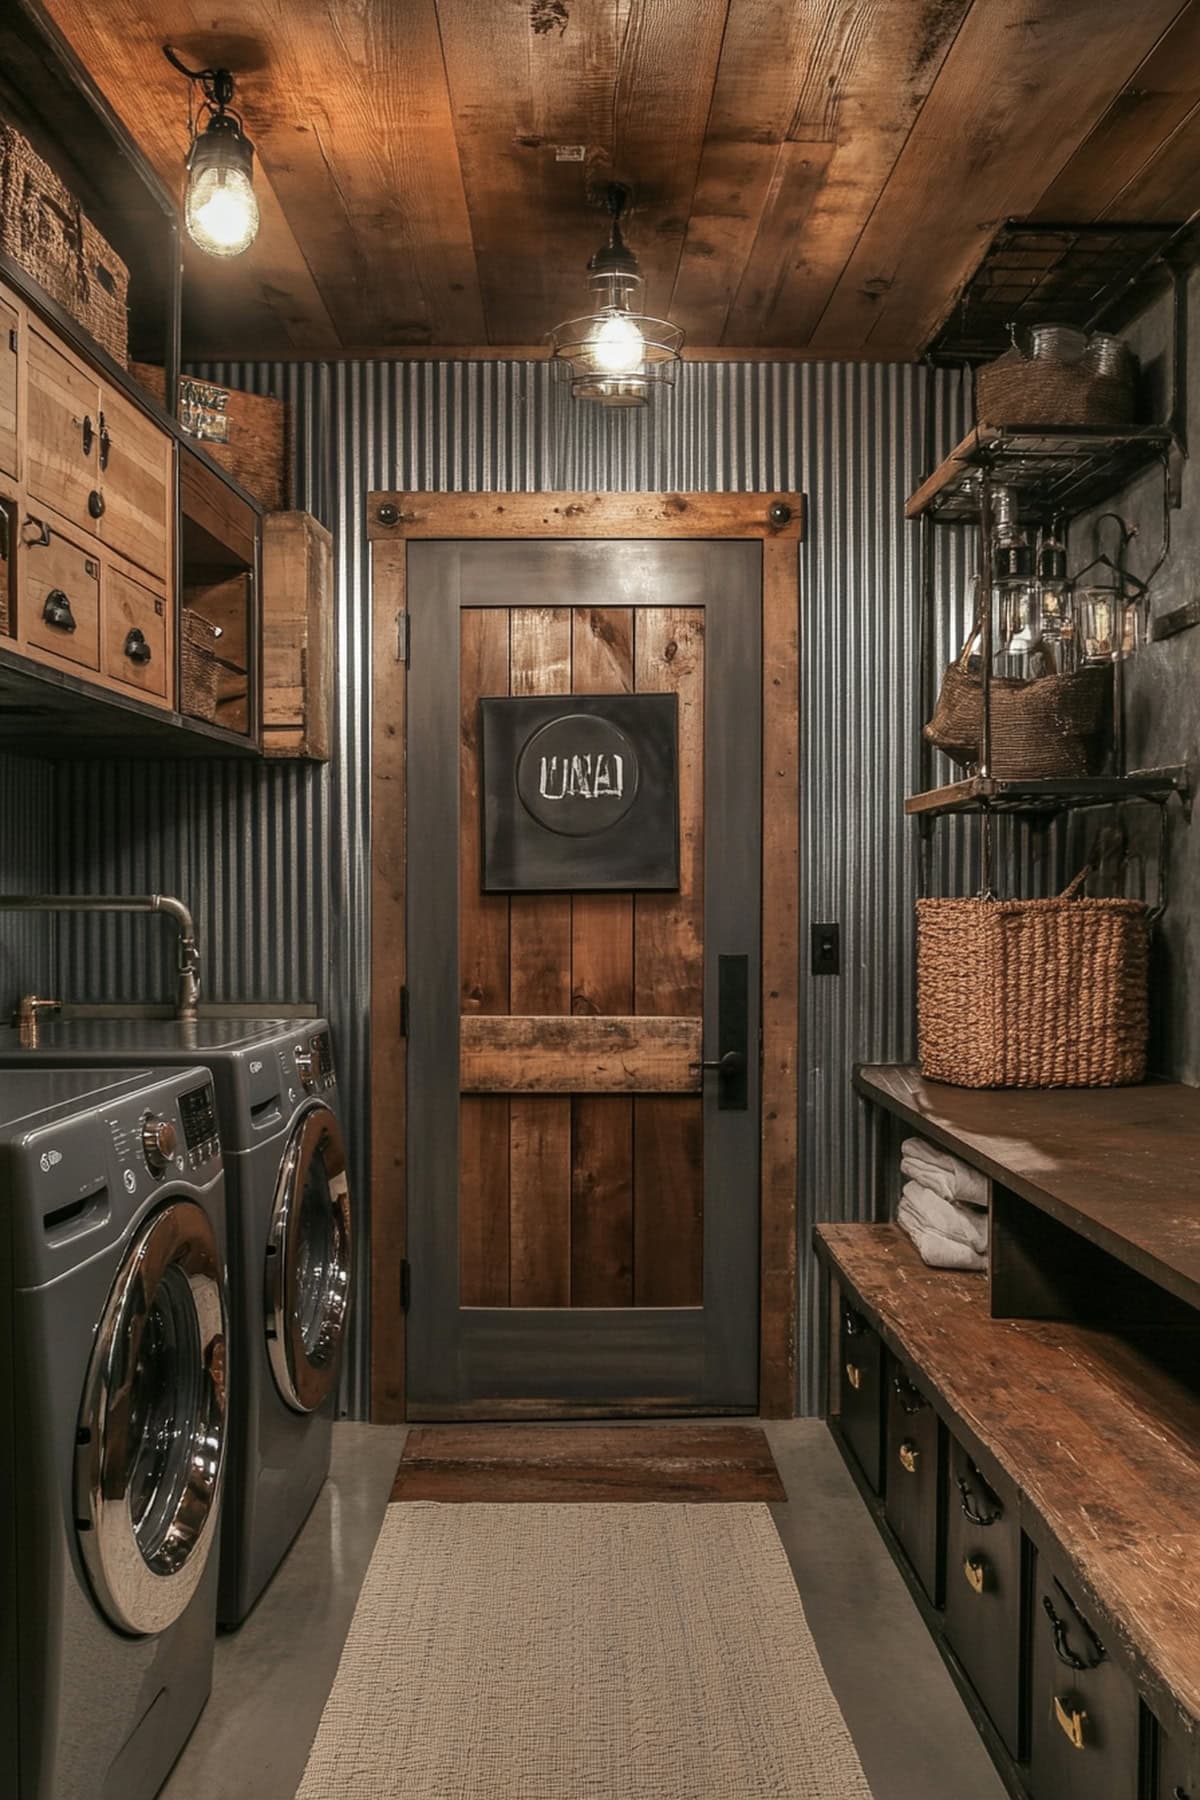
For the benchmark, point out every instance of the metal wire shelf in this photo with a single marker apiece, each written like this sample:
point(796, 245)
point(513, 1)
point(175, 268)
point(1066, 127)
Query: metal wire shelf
point(1053, 471)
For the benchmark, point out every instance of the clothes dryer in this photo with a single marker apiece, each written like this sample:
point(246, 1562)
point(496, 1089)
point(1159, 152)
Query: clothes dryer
point(289, 1236)
point(113, 1426)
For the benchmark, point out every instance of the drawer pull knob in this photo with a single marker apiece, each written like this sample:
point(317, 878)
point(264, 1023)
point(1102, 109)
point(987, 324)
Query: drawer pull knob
point(57, 611)
point(911, 1398)
point(975, 1570)
point(136, 647)
point(910, 1456)
point(1062, 1649)
point(967, 1504)
point(96, 504)
point(1072, 1720)
point(854, 1376)
point(88, 435)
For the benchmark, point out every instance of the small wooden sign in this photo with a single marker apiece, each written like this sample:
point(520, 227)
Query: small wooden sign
point(580, 793)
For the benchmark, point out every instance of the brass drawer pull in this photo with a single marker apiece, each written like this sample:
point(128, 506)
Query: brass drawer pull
point(57, 611)
point(975, 1570)
point(1072, 1719)
point(910, 1456)
point(854, 1376)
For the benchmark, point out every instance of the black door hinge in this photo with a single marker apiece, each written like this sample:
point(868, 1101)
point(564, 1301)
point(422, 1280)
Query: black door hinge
point(404, 1011)
point(405, 1284)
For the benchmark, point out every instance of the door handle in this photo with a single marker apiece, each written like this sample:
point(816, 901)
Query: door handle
point(57, 611)
point(732, 1061)
point(105, 443)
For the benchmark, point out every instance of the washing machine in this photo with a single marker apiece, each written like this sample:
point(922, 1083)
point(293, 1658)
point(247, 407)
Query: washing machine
point(112, 1425)
point(289, 1238)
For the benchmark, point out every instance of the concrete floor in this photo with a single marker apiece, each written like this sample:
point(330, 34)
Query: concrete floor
point(271, 1678)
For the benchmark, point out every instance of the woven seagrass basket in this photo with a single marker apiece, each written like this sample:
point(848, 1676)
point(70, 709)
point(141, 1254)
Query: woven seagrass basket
point(199, 666)
point(1033, 993)
point(1051, 725)
point(1041, 390)
point(44, 229)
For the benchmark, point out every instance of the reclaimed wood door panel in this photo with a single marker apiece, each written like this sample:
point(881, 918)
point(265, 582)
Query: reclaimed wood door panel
point(572, 1167)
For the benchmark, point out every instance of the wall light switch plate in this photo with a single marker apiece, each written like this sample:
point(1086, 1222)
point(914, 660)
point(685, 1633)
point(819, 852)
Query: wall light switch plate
point(826, 949)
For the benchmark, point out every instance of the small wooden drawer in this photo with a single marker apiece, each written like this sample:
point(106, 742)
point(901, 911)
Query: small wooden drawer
point(136, 647)
point(983, 1587)
point(913, 1478)
point(60, 595)
point(860, 1393)
point(1083, 1718)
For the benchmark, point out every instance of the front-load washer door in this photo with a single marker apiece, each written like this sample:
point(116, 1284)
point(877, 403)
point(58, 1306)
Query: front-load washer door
point(151, 1442)
point(308, 1261)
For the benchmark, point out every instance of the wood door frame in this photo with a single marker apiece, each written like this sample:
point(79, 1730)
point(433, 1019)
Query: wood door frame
point(777, 521)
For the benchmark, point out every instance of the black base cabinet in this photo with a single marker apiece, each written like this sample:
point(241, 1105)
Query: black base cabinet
point(861, 1394)
point(983, 1588)
point(1174, 1780)
point(913, 1480)
point(1084, 1716)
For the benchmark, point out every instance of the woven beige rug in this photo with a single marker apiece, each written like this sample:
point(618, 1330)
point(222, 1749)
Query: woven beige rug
point(547, 1652)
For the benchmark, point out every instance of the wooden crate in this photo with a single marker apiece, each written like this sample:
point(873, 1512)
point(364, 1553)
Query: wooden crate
point(298, 655)
point(256, 448)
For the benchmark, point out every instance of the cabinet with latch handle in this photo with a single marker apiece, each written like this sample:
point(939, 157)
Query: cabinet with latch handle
point(983, 1586)
point(913, 1479)
point(1083, 1709)
point(860, 1393)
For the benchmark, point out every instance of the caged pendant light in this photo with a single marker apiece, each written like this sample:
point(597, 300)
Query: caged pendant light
point(616, 355)
point(220, 208)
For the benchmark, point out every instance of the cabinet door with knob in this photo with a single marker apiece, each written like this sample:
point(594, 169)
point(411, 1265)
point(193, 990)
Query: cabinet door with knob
point(135, 648)
point(983, 1586)
point(912, 1486)
point(60, 595)
point(62, 431)
point(1083, 1713)
point(135, 487)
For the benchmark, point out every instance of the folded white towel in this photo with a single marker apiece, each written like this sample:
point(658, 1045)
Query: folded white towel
point(960, 1223)
point(938, 1251)
point(945, 1174)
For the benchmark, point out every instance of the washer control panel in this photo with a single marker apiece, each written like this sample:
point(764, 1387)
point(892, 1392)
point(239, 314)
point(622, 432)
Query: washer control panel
point(159, 1139)
point(311, 1060)
point(197, 1109)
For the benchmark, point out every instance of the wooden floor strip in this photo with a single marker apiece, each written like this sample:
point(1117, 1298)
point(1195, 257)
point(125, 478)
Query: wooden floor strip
point(636, 1463)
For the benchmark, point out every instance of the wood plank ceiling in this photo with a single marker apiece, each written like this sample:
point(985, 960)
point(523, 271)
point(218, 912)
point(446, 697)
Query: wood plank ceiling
point(817, 177)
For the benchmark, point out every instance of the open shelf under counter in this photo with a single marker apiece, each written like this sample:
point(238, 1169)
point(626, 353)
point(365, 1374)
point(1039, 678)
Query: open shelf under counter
point(1118, 1167)
point(1052, 470)
point(1042, 798)
point(1099, 1434)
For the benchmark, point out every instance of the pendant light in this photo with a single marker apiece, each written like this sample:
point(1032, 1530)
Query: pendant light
point(220, 210)
point(616, 355)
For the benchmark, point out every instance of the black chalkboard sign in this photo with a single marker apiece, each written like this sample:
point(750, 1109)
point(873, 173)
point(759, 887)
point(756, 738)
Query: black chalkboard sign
point(580, 792)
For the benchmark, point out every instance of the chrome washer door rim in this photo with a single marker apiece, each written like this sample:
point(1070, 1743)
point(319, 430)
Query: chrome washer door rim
point(305, 1371)
point(173, 1266)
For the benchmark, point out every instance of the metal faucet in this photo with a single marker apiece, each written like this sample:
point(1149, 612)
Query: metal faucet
point(187, 987)
point(28, 1012)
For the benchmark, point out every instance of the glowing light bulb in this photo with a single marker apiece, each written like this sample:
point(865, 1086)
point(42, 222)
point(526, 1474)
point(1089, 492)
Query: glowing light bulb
point(222, 212)
point(617, 346)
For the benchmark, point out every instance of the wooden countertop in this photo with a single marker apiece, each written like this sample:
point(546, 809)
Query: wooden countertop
point(1120, 1166)
point(1099, 1434)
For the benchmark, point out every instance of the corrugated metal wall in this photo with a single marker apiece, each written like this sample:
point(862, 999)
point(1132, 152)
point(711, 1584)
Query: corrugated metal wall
point(27, 962)
point(276, 860)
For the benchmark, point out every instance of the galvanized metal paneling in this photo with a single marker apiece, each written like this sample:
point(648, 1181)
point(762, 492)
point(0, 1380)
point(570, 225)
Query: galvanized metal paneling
point(27, 961)
point(276, 860)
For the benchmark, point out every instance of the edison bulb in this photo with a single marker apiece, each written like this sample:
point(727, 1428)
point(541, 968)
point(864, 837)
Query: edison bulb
point(617, 346)
point(222, 212)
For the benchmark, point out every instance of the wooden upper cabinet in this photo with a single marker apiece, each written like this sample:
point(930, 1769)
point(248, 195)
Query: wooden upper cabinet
point(10, 325)
point(62, 434)
point(135, 484)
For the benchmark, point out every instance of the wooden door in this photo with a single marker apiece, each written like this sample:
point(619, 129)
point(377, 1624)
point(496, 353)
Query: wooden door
point(583, 1229)
point(62, 459)
point(135, 484)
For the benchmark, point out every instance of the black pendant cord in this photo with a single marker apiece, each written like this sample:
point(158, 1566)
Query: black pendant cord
point(216, 85)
